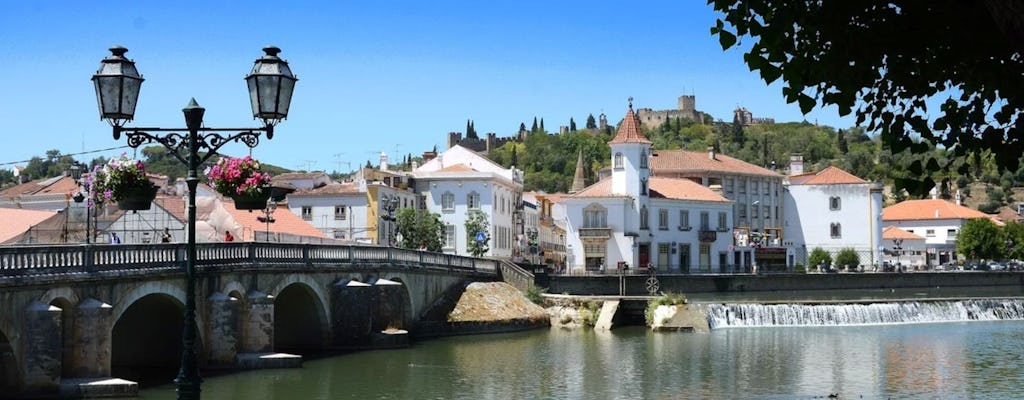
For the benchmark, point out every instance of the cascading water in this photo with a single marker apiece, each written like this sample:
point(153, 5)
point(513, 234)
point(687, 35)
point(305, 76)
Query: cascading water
point(907, 312)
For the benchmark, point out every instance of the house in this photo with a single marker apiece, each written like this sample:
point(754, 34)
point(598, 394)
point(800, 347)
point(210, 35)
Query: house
point(460, 181)
point(609, 223)
point(938, 221)
point(41, 194)
point(756, 193)
point(19, 224)
point(338, 210)
point(833, 210)
point(902, 247)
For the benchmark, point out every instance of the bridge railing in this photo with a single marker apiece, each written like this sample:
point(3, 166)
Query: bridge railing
point(83, 258)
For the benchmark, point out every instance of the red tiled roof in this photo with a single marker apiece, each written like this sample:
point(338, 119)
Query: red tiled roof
point(893, 232)
point(827, 176)
point(928, 209)
point(665, 188)
point(16, 221)
point(58, 185)
point(331, 188)
point(1007, 214)
point(284, 222)
point(682, 189)
point(629, 131)
point(683, 161)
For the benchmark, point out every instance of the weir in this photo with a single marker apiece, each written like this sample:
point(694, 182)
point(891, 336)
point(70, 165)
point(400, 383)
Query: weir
point(836, 314)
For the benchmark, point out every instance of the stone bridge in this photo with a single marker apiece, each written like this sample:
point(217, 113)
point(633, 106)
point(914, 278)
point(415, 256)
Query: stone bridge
point(77, 314)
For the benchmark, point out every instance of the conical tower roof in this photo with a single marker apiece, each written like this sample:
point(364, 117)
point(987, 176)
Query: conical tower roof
point(579, 181)
point(629, 131)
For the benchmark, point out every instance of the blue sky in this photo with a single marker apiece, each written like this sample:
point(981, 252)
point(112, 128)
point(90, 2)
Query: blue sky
point(390, 76)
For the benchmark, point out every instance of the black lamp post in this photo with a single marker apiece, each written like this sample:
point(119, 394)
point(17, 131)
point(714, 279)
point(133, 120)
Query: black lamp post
point(117, 82)
point(898, 249)
point(389, 205)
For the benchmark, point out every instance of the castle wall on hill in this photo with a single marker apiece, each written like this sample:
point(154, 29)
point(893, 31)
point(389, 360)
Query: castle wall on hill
point(482, 145)
point(686, 109)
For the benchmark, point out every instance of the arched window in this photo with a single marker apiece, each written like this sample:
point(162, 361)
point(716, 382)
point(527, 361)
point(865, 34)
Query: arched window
point(595, 216)
point(643, 187)
point(618, 161)
point(643, 217)
point(837, 230)
point(448, 202)
point(643, 159)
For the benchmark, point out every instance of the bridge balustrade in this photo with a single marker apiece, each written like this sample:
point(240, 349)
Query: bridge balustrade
point(84, 258)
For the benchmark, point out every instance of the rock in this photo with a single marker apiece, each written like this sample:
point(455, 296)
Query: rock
point(495, 301)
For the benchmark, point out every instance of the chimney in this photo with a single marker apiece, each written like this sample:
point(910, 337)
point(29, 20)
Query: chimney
point(958, 199)
point(717, 189)
point(383, 161)
point(711, 152)
point(428, 155)
point(796, 164)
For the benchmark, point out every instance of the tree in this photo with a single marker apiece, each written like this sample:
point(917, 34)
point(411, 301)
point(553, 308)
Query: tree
point(542, 125)
point(420, 228)
point(819, 258)
point(476, 223)
point(591, 123)
point(533, 129)
point(572, 125)
point(470, 131)
point(841, 142)
point(1013, 238)
point(848, 258)
point(979, 238)
point(522, 127)
point(515, 158)
point(890, 59)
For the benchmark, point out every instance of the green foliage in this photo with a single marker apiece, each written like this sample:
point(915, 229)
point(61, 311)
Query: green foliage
point(536, 294)
point(420, 228)
point(591, 123)
point(666, 299)
point(847, 257)
point(980, 238)
point(845, 55)
point(1013, 238)
point(589, 312)
point(819, 257)
point(476, 221)
point(799, 268)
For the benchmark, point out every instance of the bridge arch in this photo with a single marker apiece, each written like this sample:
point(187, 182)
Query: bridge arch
point(67, 332)
point(403, 304)
point(145, 339)
point(300, 315)
point(166, 288)
point(10, 373)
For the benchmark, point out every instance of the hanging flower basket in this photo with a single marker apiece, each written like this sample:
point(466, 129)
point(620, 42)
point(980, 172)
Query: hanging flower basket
point(252, 201)
point(137, 198)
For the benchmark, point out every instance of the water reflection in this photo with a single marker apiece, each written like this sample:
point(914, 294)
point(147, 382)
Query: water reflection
point(976, 360)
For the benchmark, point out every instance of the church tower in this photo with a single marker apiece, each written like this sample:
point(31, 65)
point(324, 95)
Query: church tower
point(579, 180)
point(630, 151)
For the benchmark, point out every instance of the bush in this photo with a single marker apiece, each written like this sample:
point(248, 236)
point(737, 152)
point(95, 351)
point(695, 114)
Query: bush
point(667, 299)
point(589, 312)
point(536, 294)
point(991, 207)
point(799, 268)
point(848, 257)
point(819, 257)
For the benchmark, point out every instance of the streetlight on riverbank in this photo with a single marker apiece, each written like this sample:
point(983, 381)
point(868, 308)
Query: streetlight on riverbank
point(271, 83)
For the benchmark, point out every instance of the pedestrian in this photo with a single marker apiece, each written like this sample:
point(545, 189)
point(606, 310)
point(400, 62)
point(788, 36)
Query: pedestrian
point(166, 238)
point(114, 239)
point(228, 237)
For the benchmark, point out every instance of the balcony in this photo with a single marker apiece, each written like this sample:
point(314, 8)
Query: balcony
point(707, 236)
point(598, 233)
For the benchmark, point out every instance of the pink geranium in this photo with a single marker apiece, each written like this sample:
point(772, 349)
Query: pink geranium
point(237, 176)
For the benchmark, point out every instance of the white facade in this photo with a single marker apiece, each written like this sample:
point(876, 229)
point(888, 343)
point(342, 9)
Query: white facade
point(337, 215)
point(939, 238)
point(834, 217)
point(459, 181)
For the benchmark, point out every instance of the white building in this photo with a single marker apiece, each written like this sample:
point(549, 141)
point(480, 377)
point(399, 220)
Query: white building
point(902, 247)
point(939, 221)
point(639, 220)
point(459, 181)
point(832, 209)
point(339, 210)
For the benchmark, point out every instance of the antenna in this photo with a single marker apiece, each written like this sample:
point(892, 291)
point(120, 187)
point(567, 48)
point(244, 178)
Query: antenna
point(309, 165)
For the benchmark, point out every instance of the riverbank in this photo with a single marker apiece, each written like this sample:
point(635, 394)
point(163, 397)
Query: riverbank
point(487, 307)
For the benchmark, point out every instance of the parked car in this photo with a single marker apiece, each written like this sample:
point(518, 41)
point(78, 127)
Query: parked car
point(996, 266)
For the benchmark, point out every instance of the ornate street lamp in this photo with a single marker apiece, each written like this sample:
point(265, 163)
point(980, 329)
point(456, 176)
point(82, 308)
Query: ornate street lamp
point(117, 82)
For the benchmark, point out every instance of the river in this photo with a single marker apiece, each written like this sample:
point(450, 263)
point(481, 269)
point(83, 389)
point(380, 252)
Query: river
point(959, 360)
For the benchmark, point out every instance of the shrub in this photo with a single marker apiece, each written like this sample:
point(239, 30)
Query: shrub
point(799, 268)
point(667, 299)
point(819, 257)
point(848, 257)
point(536, 294)
point(589, 312)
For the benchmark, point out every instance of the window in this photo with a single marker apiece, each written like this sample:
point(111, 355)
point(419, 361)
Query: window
point(833, 203)
point(307, 213)
point(768, 212)
point(663, 219)
point(753, 211)
point(705, 221)
point(684, 257)
point(618, 161)
point(473, 201)
point(663, 260)
point(643, 187)
point(448, 202)
point(340, 212)
point(951, 233)
point(742, 186)
point(684, 220)
point(722, 227)
point(643, 217)
point(705, 257)
point(449, 236)
point(643, 159)
point(743, 212)
point(837, 230)
point(595, 217)
point(929, 233)
point(339, 234)
point(728, 185)
point(754, 186)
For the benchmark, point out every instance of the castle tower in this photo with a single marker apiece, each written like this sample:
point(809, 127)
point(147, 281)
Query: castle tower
point(630, 149)
point(579, 180)
point(602, 122)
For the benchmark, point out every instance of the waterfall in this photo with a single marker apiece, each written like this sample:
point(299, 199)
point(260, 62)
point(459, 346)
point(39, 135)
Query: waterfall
point(906, 312)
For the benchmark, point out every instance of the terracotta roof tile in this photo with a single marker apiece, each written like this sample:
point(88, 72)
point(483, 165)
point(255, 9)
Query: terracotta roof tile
point(1007, 214)
point(457, 168)
point(682, 189)
point(285, 221)
point(17, 221)
point(63, 184)
point(331, 188)
point(686, 161)
point(893, 232)
point(928, 209)
point(827, 176)
point(602, 188)
point(629, 131)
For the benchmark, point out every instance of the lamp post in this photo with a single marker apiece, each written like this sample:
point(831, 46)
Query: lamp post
point(898, 249)
point(117, 83)
point(268, 216)
point(532, 234)
point(389, 204)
